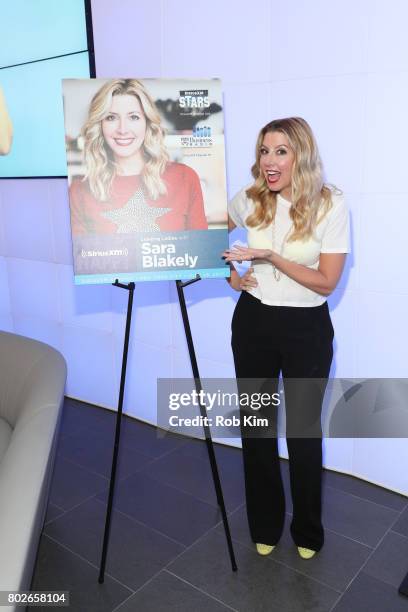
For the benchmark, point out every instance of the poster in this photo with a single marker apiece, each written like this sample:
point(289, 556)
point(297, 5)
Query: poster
point(146, 177)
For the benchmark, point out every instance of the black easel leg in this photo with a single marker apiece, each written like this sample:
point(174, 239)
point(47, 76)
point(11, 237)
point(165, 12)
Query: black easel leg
point(130, 287)
point(404, 587)
point(207, 431)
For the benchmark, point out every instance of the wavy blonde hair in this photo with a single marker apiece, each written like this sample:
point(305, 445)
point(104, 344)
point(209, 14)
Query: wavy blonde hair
point(100, 164)
point(311, 198)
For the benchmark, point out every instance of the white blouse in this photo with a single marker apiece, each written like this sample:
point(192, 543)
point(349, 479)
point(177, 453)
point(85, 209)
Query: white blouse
point(332, 235)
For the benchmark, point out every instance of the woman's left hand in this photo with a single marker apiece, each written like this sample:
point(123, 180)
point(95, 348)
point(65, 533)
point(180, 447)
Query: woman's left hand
point(246, 254)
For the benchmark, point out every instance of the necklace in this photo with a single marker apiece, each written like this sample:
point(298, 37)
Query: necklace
point(277, 273)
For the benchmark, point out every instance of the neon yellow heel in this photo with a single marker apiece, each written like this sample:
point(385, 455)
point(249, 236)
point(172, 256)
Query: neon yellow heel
point(264, 549)
point(306, 553)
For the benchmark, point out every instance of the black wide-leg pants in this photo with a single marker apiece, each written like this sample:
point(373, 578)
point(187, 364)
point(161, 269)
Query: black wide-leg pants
point(297, 342)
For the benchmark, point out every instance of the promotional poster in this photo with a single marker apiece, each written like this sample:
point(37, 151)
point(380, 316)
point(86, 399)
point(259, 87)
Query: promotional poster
point(146, 176)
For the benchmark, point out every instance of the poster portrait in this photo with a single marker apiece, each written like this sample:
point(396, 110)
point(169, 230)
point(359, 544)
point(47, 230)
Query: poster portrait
point(146, 178)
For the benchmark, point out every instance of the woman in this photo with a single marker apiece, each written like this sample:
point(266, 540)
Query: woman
point(6, 127)
point(298, 238)
point(130, 185)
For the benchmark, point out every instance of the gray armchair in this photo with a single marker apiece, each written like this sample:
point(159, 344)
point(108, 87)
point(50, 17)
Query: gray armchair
point(32, 381)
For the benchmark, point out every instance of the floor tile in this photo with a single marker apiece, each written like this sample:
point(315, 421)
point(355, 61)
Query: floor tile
point(53, 512)
point(389, 562)
point(105, 427)
point(95, 452)
point(167, 593)
point(238, 524)
point(165, 486)
point(172, 512)
point(58, 569)
point(230, 462)
point(180, 469)
point(356, 518)
point(335, 564)
point(365, 490)
point(401, 526)
point(198, 448)
point(260, 584)
point(135, 553)
point(148, 439)
point(72, 484)
point(77, 416)
point(366, 594)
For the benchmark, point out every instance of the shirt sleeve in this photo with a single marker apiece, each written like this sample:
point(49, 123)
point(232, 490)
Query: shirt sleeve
point(238, 208)
point(77, 207)
point(336, 238)
point(196, 219)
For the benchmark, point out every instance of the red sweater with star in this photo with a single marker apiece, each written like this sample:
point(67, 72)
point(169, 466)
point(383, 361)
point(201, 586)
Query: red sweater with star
point(184, 197)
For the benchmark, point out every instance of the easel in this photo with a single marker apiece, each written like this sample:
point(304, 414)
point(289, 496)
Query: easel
point(130, 287)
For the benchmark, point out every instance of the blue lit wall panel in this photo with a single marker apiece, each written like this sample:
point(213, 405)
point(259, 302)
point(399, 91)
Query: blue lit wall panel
point(27, 222)
point(348, 94)
point(127, 38)
point(33, 289)
point(42, 329)
point(91, 372)
point(84, 306)
point(5, 308)
point(145, 364)
point(58, 194)
point(6, 323)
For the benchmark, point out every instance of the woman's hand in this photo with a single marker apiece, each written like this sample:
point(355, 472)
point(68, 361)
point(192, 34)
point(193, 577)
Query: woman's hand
point(242, 283)
point(240, 254)
point(323, 280)
point(248, 280)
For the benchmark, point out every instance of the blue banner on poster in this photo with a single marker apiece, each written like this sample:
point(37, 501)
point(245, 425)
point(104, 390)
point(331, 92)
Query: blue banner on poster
point(151, 256)
point(146, 170)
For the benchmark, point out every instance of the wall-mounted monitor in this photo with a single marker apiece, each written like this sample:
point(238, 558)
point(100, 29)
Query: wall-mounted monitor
point(43, 42)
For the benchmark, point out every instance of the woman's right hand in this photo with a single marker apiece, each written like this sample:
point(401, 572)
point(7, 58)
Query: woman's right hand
point(244, 282)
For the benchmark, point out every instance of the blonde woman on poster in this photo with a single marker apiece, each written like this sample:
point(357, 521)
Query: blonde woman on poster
point(6, 128)
point(130, 185)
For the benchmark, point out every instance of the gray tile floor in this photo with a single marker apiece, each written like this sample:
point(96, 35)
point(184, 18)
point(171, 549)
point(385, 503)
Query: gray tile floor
point(167, 547)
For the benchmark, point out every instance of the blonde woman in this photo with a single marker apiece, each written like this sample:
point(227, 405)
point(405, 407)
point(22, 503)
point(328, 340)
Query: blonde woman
point(298, 239)
point(6, 128)
point(130, 185)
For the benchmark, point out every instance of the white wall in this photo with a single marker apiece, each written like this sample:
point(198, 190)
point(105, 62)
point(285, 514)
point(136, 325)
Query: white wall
point(339, 64)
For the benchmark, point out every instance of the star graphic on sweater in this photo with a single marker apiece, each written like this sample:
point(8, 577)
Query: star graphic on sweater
point(136, 215)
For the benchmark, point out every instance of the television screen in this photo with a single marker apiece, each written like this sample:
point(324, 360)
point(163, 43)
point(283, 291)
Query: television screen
point(34, 30)
point(42, 43)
